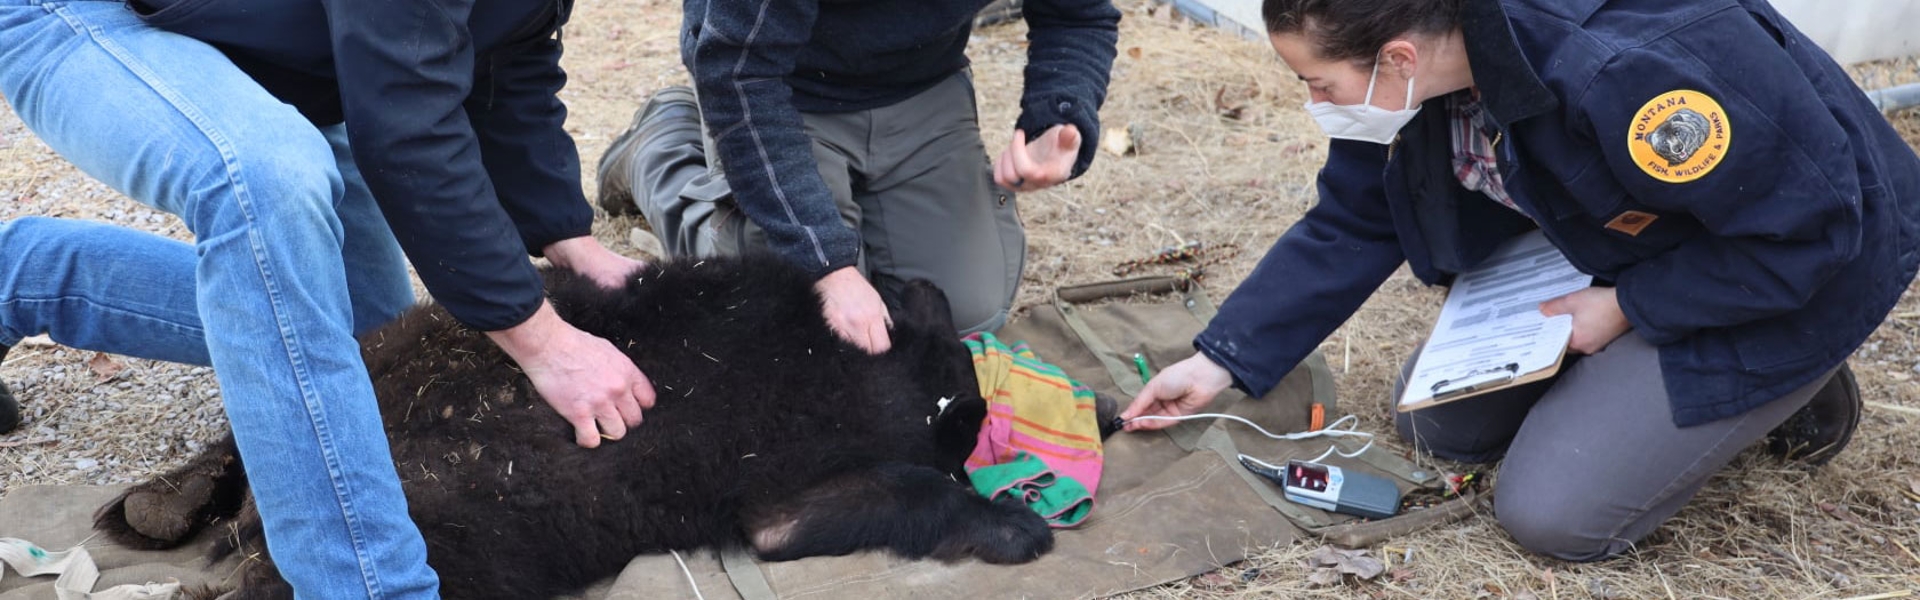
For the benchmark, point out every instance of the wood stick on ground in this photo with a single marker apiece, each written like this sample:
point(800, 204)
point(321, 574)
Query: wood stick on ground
point(1895, 408)
point(1899, 594)
point(1903, 548)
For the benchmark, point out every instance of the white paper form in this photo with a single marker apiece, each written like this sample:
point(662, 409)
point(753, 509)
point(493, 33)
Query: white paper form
point(1490, 329)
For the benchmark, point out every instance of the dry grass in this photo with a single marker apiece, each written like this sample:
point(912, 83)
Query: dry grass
point(1760, 529)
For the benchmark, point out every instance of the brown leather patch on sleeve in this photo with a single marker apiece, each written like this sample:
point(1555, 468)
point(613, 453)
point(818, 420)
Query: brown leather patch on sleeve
point(1632, 222)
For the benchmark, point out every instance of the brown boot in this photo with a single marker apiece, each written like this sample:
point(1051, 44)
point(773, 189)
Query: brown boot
point(1821, 429)
point(669, 106)
point(9, 408)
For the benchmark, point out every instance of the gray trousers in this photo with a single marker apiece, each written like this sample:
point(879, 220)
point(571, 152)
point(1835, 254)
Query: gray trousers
point(912, 178)
point(1593, 460)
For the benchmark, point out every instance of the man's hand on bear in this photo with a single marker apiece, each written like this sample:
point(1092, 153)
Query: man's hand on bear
point(854, 310)
point(584, 378)
point(585, 255)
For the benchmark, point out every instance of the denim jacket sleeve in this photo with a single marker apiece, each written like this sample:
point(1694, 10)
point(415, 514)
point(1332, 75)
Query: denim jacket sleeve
point(524, 145)
point(743, 51)
point(1069, 61)
point(1780, 201)
point(1313, 279)
point(405, 69)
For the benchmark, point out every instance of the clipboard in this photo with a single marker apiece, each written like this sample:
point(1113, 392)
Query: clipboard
point(1474, 383)
point(1490, 335)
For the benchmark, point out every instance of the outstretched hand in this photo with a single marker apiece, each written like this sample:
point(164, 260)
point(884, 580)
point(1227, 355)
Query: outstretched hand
point(1597, 318)
point(594, 386)
point(1183, 389)
point(1045, 162)
point(854, 310)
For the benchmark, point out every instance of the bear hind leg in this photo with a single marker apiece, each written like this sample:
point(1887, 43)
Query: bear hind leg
point(914, 511)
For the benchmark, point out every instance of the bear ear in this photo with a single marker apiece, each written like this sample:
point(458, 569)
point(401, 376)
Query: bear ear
point(1106, 410)
point(957, 428)
point(918, 304)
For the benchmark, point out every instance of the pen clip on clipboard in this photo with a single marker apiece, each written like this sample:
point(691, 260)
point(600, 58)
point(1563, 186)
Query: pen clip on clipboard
point(1476, 380)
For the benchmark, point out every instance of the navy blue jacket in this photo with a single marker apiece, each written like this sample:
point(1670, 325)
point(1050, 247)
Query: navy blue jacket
point(451, 108)
point(758, 64)
point(1756, 237)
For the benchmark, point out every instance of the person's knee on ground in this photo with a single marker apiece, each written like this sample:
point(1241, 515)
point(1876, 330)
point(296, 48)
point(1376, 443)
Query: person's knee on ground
point(1552, 518)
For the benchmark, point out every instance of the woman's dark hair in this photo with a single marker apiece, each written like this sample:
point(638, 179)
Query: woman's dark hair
point(1356, 29)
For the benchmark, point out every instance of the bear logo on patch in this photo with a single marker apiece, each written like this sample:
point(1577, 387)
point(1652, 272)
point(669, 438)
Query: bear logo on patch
point(1679, 136)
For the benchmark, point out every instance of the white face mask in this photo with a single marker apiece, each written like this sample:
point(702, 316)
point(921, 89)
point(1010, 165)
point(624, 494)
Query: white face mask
point(1364, 121)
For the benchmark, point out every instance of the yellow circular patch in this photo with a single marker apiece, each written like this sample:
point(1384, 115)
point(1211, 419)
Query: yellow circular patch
point(1679, 136)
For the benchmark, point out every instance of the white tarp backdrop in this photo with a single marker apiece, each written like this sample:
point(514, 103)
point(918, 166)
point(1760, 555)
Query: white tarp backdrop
point(1851, 30)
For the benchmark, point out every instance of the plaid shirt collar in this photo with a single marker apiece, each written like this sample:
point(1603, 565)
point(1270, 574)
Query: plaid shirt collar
point(1473, 147)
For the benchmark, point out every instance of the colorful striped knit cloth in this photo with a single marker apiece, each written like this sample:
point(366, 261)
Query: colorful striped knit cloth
point(1034, 411)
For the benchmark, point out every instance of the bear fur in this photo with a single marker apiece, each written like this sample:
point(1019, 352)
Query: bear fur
point(769, 432)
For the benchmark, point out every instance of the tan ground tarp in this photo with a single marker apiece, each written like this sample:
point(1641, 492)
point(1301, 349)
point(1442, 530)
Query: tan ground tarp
point(1163, 513)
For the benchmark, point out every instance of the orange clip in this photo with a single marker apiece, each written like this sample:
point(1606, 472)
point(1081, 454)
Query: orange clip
point(1317, 418)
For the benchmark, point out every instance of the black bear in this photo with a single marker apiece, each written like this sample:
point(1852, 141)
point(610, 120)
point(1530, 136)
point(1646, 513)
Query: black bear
point(769, 432)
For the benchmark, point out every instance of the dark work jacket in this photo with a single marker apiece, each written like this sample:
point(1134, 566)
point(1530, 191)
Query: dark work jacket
point(451, 108)
point(1757, 256)
point(758, 64)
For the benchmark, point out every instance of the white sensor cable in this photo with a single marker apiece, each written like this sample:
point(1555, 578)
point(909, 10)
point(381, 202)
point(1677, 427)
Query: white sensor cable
point(1331, 430)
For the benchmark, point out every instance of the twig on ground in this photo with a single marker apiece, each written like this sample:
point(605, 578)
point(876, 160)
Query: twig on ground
point(1903, 548)
point(1899, 594)
point(1895, 408)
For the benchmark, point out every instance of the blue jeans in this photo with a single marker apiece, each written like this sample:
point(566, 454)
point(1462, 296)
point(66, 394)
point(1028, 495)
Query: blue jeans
point(291, 257)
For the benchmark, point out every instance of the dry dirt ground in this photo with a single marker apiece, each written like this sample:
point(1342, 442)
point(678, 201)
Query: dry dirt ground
point(1225, 155)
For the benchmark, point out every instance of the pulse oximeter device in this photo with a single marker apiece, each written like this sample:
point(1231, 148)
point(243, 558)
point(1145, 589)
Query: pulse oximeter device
point(1329, 488)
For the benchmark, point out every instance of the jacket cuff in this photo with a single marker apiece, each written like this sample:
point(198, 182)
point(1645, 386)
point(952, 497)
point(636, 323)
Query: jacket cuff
point(1243, 378)
point(1037, 116)
point(537, 236)
point(838, 247)
point(831, 266)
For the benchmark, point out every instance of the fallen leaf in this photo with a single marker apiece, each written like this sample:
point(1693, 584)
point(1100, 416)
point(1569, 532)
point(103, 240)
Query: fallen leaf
point(103, 366)
point(1134, 53)
point(1117, 141)
point(1323, 577)
point(1352, 562)
point(1364, 567)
